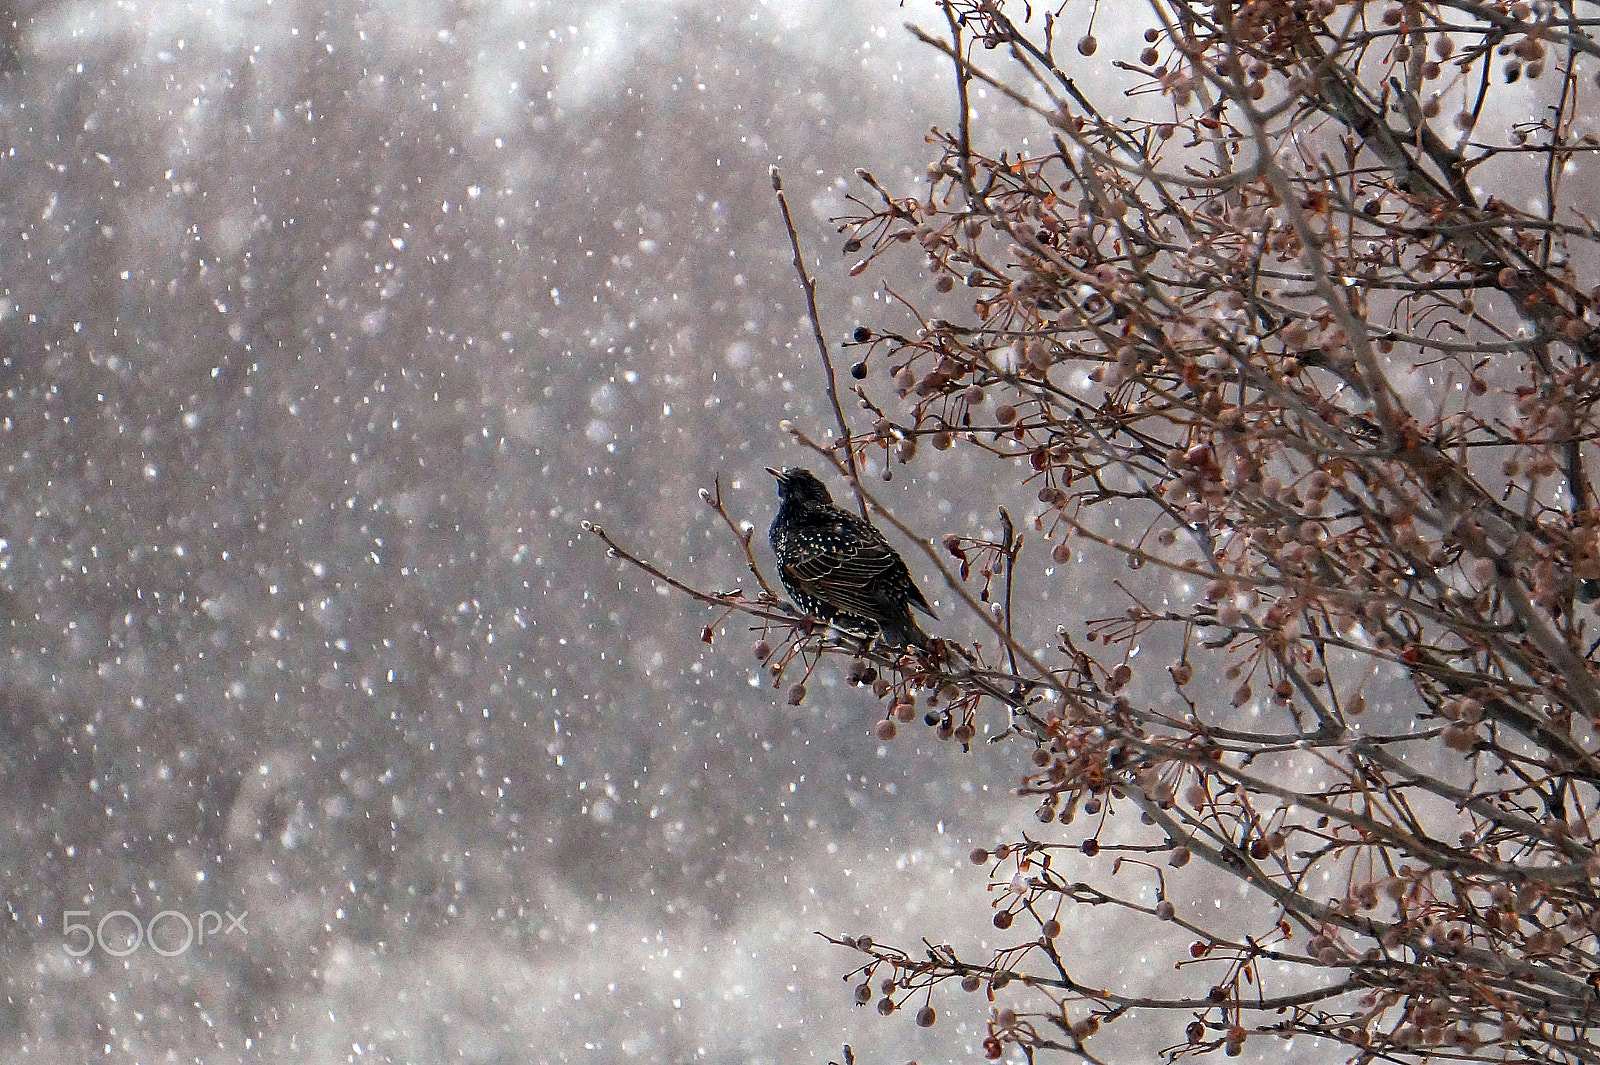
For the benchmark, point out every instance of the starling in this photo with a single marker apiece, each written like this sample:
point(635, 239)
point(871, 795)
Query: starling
point(837, 567)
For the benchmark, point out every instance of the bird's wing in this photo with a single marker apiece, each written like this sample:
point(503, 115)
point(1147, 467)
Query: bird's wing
point(842, 566)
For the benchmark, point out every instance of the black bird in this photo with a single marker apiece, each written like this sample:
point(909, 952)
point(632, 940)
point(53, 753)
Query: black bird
point(837, 567)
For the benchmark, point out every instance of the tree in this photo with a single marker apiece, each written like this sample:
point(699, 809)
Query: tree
point(1311, 343)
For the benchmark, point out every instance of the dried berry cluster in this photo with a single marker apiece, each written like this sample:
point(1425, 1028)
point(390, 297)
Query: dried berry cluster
point(1331, 358)
point(1327, 362)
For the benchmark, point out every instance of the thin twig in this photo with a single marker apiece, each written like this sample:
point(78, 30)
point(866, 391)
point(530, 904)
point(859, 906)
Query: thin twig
point(964, 109)
point(713, 499)
point(754, 607)
point(810, 286)
point(1010, 546)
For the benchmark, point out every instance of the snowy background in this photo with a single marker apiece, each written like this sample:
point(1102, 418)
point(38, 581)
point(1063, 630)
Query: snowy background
point(324, 327)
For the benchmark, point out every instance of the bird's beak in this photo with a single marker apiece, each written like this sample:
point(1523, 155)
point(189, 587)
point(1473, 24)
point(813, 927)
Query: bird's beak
point(776, 473)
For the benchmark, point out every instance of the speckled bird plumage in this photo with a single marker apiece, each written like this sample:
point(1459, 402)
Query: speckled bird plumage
point(838, 567)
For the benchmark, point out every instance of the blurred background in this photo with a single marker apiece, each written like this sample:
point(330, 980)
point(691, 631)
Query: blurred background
point(323, 328)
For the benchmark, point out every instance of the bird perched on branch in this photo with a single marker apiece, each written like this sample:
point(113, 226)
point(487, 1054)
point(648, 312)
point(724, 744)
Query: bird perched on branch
point(838, 567)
